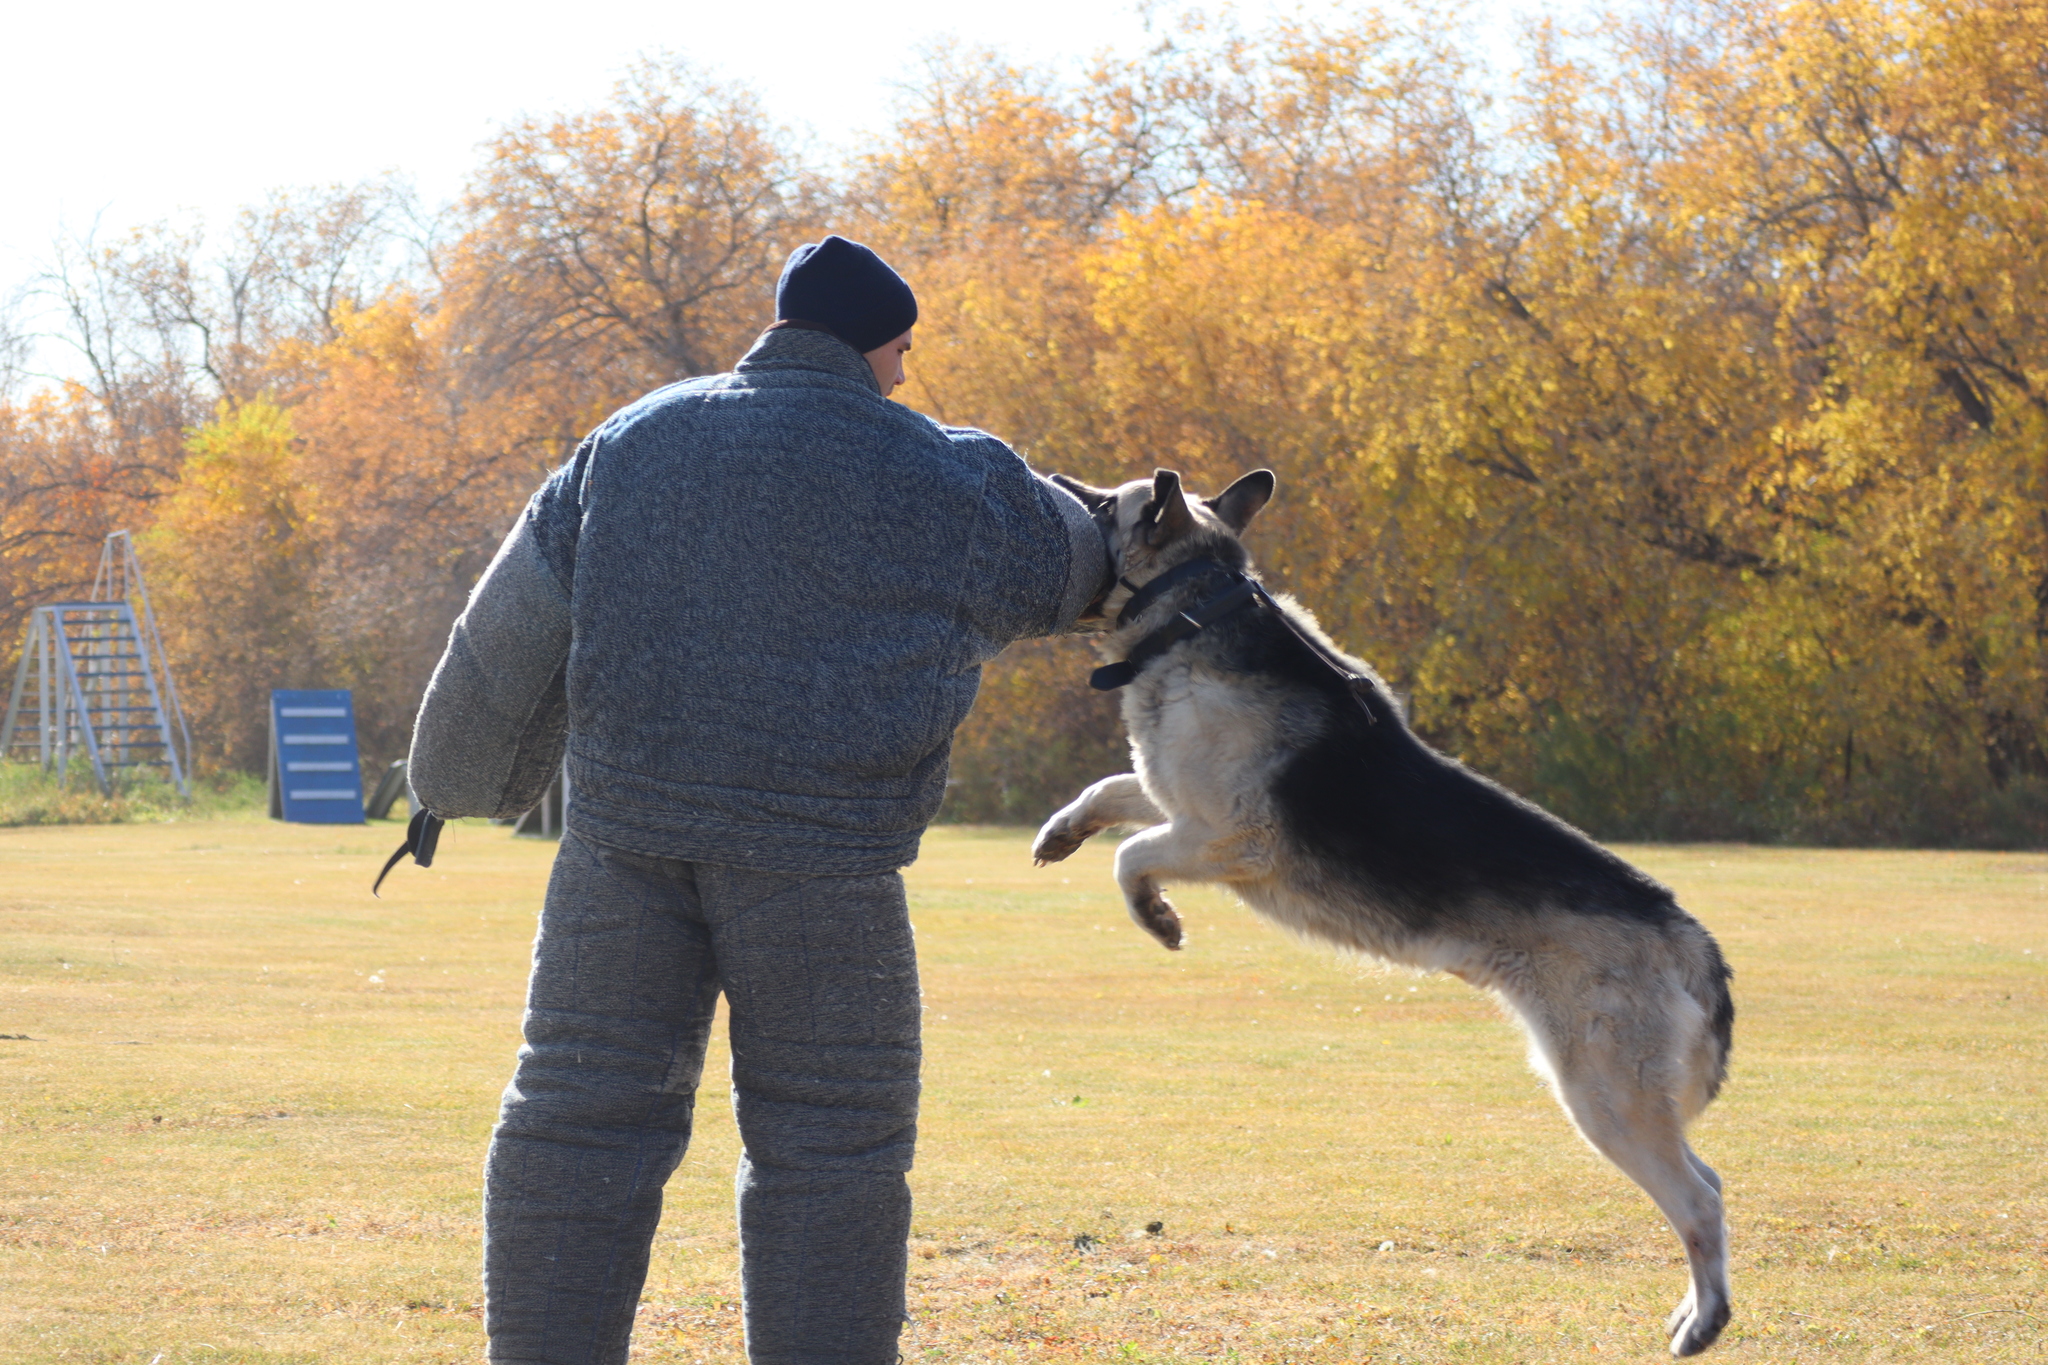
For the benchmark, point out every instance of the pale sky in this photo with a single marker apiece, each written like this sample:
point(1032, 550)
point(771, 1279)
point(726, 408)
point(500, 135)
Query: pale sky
point(129, 113)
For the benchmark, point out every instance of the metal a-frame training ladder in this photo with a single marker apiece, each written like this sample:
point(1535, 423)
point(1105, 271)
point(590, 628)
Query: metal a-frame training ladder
point(93, 677)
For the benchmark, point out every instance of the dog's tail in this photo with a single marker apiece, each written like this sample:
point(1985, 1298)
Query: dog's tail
point(1707, 983)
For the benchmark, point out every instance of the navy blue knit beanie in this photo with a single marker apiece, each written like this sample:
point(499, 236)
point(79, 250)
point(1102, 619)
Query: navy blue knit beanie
point(847, 289)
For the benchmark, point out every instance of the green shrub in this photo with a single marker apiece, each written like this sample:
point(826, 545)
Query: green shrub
point(29, 795)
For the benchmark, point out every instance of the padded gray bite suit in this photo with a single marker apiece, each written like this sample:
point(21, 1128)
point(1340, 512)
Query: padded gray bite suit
point(753, 609)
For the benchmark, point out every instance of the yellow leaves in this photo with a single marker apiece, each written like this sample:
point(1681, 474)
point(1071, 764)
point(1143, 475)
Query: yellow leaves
point(1248, 266)
point(386, 334)
point(238, 466)
point(230, 557)
point(989, 156)
point(1655, 420)
point(636, 236)
point(1595, 482)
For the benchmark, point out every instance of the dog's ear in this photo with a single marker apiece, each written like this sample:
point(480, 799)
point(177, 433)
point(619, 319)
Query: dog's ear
point(1094, 499)
point(1240, 502)
point(1168, 511)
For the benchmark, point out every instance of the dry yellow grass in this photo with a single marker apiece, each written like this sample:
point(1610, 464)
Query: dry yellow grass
point(249, 1124)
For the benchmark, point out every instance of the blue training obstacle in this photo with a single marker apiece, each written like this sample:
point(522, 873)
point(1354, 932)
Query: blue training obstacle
point(316, 776)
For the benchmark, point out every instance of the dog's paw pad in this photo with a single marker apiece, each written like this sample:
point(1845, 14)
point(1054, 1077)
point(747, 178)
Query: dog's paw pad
point(1054, 845)
point(1157, 917)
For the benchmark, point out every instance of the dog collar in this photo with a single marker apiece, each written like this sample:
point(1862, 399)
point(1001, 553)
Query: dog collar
point(1240, 593)
point(1143, 597)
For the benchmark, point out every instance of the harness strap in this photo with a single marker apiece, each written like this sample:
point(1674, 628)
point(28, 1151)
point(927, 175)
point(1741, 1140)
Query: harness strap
point(1109, 677)
point(1142, 598)
point(1360, 685)
point(422, 833)
point(1242, 592)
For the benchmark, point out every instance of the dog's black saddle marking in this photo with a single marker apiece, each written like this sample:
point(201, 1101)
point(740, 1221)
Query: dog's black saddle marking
point(421, 835)
point(1242, 592)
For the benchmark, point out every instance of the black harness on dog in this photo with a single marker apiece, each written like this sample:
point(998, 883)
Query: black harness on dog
point(1242, 592)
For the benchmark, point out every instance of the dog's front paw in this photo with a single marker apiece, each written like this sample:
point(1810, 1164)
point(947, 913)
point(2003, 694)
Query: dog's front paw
point(1057, 841)
point(1157, 917)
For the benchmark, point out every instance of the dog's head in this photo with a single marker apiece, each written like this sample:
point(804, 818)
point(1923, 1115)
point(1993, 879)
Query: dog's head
point(1152, 524)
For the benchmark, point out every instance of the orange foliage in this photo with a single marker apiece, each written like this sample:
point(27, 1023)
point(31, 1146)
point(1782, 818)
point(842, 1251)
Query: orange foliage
point(1665, 422)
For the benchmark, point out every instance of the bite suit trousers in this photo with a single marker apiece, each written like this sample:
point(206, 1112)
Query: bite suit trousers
point(820, 979)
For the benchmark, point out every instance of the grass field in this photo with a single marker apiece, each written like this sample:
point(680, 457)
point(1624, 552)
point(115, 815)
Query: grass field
point(247, 1122)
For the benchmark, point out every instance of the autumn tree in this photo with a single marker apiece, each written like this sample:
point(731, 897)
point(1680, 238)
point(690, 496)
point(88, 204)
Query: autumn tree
point(1664, 421)
point(626, 247)
point(231, 559)
point(1668, 452)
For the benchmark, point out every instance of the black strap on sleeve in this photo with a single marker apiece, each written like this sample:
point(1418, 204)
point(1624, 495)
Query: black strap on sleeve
point(421, 835)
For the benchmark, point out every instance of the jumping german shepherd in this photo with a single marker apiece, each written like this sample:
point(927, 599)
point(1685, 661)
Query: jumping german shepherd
point(1270, 761)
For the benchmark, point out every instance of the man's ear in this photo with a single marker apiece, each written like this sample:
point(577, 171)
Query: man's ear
point(1094, 499)
point(1240, 502)
point(1168, 511)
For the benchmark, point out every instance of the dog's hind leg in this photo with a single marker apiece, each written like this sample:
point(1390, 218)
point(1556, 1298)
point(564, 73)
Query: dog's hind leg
point(1706, 1172)
point(1113, 801)
point(1685, 1305)
point(1638, 1129)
